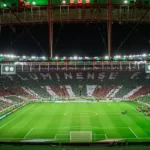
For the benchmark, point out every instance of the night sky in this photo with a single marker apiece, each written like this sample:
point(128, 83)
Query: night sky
point(74, 39)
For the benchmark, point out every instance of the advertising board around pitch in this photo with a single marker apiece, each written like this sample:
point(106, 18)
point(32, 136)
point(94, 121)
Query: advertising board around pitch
point(8, 69)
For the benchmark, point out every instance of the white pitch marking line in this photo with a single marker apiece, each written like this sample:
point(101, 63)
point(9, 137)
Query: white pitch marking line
point(15, 117)
point(132, 107)
point(133, 132)
point(28, 133)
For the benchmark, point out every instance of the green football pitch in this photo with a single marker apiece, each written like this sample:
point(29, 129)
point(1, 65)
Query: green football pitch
point(55, 122)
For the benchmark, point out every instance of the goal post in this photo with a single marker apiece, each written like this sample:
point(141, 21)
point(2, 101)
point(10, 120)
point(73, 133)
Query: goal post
point(80, 136)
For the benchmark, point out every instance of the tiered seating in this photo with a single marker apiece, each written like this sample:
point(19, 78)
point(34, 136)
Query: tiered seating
point(4, 92)
point(144, 99)
point(41, 91)
point(20, 92)
point(106, 84)
point(90, 89)
point(51, 92)
point(4, 105)
point(101, 91)
point(69, 90)
point(65, 92)
point(14, 98)
point(60, 90)
point(141, 91)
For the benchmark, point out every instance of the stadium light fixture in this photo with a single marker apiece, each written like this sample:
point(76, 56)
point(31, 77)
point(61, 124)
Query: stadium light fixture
point(12, 56)
point(144, 55)
point(130, 56)
point(117, 56)
point(24, 57)
point(64, 2)
point(86, 57)
point(33, 3)
point(64, 57)
point(75, 57)
point(80, 58)
point(56, 57)
point(43, 57)
point(106, 57)
point(33, 57)
point(4, 5)
point(125, 1)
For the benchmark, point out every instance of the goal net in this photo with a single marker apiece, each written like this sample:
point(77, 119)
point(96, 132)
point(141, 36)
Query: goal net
point(80, 136)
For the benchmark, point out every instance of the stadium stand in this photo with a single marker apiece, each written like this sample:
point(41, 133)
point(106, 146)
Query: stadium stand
point(4, 92)
point(14, 99)
point(67, 84)
point(140, 91)
point(4, 104)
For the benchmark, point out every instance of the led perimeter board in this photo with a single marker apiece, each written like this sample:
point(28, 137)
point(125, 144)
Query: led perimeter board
point(8, 69)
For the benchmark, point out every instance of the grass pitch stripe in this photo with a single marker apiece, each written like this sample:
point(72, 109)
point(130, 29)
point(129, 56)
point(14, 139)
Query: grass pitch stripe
point(28, 133)
point(133, 132)
point(15, 117)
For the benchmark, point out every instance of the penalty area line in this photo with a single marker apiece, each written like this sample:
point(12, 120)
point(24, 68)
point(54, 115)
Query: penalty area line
point(28, 133)
point(133, 132)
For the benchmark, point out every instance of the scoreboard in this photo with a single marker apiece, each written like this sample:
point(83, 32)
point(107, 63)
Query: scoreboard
point(8, 69)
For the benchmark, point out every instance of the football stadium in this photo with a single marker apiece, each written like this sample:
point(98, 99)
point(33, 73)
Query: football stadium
point(85, 100)
point(93, 94)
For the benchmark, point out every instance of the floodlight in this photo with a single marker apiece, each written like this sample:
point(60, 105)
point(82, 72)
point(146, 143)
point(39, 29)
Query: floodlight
point(64, 2)
point(12, 56)
point(75, 57)
point(117, 56)
point(125, 1)
point(144, 55)
point(4, 5)
point(33, 57)
point(56, 57)
point(64, 57)
point(33, 3)
point(86, 57)
point(130, 56)
point(24, 57)
point(106, 57)
point(43, 57)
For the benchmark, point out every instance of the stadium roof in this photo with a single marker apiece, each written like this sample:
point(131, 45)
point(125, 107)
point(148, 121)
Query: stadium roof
point(45, 2)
